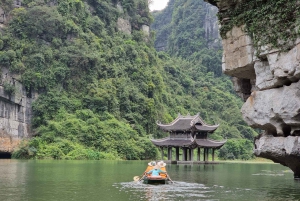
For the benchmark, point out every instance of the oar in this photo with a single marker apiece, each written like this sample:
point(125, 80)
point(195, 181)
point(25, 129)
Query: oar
point(136, 178)
point(170, 178)
point(142, 177)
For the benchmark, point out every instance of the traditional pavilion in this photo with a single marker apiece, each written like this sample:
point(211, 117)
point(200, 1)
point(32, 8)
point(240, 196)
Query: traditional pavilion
point(188, 133)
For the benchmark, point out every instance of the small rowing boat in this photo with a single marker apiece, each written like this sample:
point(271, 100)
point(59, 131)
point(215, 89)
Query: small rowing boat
point(155, 180)
point(148, 178)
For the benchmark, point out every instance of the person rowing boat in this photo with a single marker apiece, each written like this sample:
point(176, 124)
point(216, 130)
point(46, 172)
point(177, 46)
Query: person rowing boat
point(155, 173)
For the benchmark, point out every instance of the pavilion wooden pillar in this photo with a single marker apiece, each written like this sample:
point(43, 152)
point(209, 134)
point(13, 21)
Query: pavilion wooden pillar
point(213, 154)
point(162, 153)
point(188, 154)
point(207, 154)
point(204, 154)
point(177, 153)
point(170, 153)
point(198, 154)
point(192, 154)
point(184, 154)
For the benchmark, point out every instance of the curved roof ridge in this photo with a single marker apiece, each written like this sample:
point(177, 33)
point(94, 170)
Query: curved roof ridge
point(185, 123)
point(188, 116)
point(159, 140)
point(197, 116)
point(216, 125)
point(178, 118)
point(209, 128)
point(173, 142)
point(210, 143)
point(217, 140)
point(203, 122)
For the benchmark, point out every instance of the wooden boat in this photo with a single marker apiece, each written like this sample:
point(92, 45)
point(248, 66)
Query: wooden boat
point(162, 179)
point(155, 180)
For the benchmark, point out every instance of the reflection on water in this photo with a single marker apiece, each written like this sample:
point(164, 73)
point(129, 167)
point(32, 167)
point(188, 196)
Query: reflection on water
point(181, 191)
point(12, 179)
point(271, 173)
point(220, 182)
point(174, 191)
point(112, 181)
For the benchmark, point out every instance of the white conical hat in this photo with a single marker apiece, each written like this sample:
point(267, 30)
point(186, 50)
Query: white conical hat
point(157, 167)
point(161, 164)
point(152, 163)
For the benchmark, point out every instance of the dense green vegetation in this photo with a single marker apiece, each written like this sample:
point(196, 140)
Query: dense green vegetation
point(101, 90)
point(98, 87)
point(201, 74)
point(272, 23)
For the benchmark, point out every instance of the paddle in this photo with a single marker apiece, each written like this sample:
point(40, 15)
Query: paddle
point(142, 177)
point(170, 178)
point(136, 178)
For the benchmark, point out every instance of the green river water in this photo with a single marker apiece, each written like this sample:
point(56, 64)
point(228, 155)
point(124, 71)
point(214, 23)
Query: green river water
point(51, 180)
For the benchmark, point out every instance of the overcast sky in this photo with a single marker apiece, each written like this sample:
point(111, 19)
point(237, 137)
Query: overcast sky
point(158, 4)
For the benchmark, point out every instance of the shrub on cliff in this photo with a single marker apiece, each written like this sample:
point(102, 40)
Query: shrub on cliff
point(100, 90)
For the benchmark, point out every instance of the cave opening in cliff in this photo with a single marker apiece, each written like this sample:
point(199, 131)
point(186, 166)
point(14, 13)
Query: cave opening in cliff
point(5, 155)
point(286, 130)
point(245, 87)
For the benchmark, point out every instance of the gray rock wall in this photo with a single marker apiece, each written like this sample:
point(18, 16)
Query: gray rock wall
point(211, 26)
point(270, 85)
point(15, 112)
point(164, 25)
point(124, 25)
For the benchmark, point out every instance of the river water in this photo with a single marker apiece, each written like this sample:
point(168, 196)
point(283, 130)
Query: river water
point(51, 180)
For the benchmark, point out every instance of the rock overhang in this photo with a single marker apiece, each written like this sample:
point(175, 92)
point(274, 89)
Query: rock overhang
point(267, 78)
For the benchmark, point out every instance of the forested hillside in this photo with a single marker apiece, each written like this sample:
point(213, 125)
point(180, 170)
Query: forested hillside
point(101, 90)
point(187, 29)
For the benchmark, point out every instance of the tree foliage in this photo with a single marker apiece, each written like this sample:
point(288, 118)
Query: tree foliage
point(271, 24)
point(196, 78)
point(101, 90)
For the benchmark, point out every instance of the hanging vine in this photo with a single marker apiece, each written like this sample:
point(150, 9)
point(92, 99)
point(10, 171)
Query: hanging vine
point(268, 22)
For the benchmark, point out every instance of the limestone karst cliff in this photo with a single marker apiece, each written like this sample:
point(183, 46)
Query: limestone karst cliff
point(16, 98)
point(102, 85)
point(177, 21)
point(15, 112)
point(262, 52)
point(15, 101)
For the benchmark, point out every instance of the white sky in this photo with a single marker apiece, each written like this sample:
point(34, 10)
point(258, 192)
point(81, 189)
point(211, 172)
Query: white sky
point(158, 4)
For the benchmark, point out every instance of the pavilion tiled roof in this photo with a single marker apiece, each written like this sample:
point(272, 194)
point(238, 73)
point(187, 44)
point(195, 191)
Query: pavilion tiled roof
point(175, 142)
point(184, 123)
point(179, 142)
point(206, 127)
point(180, 123)
point(188, 123)
point(209, 143)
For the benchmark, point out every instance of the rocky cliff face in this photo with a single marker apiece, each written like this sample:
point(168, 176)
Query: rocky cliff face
point(268, 81)
point(165, 22)
point(15, 112)
point(211, 26)
point(15, 102)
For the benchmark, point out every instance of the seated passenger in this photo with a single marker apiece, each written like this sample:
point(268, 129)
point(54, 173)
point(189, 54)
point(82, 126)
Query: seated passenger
point(150, 166)
point(162, 166)
point(155, 171)
point(152, 163)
